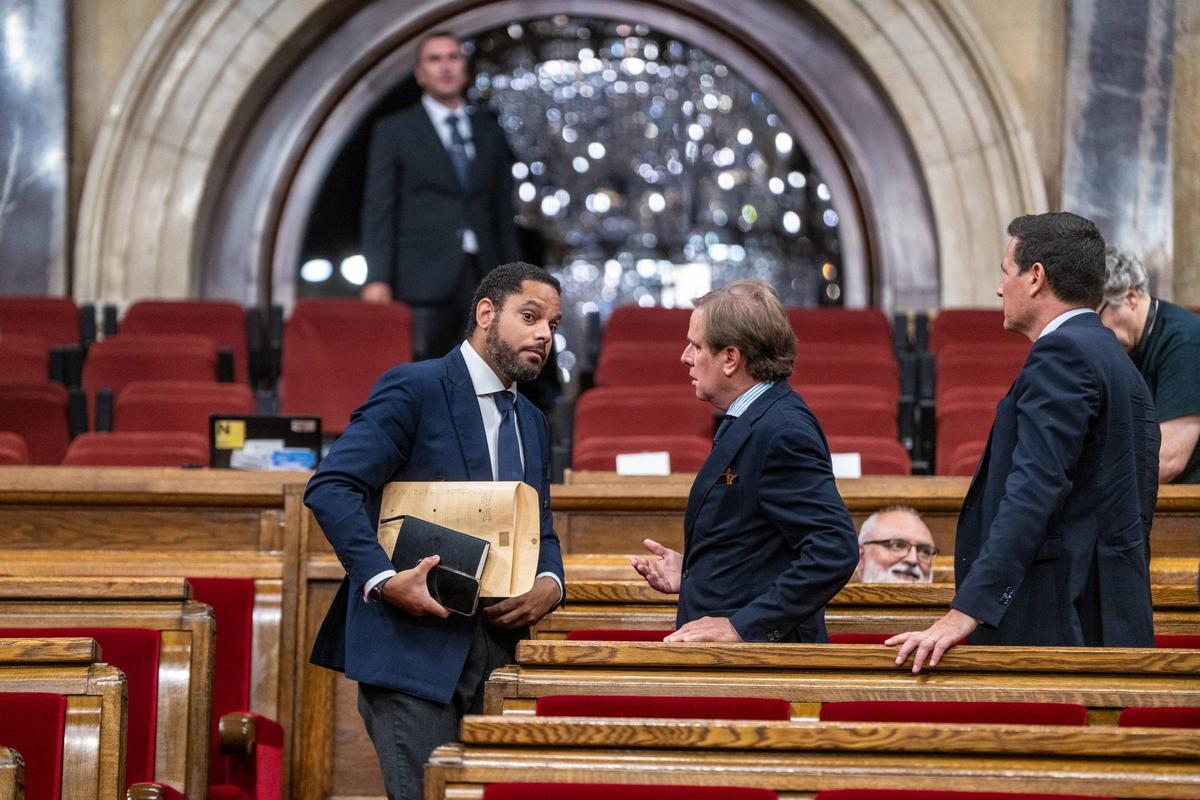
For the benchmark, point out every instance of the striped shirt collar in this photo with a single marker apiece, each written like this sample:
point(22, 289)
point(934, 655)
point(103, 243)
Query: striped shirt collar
point(744, 402)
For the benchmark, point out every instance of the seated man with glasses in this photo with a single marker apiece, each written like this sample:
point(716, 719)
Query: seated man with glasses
point(894, 546)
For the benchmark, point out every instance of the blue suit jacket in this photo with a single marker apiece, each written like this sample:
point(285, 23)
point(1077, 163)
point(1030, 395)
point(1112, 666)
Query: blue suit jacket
point(421, 422)
point(1053, 542)
point(767, 538)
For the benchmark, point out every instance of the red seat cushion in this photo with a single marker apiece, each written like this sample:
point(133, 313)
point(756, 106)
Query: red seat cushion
point(878, 455)
point(859, 638)
point(1180, 641)
point(33, 724)
point(616, 635)
point(54, 319)
point(1165, 717)
point(687, 453)
point(134, 651)
point(220, 320)
point(950, 712)
point(138, 449)
point(178, 405)
point(903, 794)
point(601, 791)
point(38, 412)
point(13, 449)
point(646, 707)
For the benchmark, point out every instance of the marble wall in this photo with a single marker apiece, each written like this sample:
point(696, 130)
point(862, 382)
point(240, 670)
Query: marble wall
point(1186, 153)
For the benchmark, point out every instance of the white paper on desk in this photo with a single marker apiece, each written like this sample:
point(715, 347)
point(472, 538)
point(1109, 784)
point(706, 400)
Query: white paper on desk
point(846, 465)
point(655, 463)
point(255, 454)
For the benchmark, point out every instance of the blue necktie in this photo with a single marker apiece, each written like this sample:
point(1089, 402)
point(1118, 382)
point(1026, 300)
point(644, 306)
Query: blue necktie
point(726, 421)
point(458, 150)
point(508, 451)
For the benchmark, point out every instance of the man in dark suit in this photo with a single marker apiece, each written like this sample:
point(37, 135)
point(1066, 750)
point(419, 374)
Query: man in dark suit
point(1053, 541)
point(437, 207)
point(456, 418)
point(767, 539)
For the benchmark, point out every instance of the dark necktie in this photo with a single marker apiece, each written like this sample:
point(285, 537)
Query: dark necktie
point(458, 150)
point(726, 421)
point(508, 452)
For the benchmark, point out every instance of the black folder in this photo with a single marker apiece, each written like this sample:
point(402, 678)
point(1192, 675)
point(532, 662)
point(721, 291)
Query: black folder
point(454, 582)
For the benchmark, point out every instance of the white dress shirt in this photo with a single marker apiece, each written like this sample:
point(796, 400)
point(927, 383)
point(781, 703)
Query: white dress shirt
point(437, 114)
point(485, 382)
point(1057, 322)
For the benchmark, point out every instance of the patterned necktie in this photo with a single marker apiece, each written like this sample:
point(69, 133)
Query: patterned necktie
point(726, 421)
point(508, 452)
point(458, 150)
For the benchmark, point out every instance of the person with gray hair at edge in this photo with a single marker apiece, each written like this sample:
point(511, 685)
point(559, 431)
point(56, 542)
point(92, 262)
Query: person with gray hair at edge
point(767, 540)
point(1164, 342)
point(895, 546)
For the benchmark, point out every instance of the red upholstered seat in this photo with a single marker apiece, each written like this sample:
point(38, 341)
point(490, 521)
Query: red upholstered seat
point(851, 410)
point(616, 635)
point(958, 423)
point(642, 410)
point(13, 449)
point(38, 412)
point(642, 363)
point(178, 405)
point(55, 320)
point(260, 776)
point(963, 325)
point(859, 638)
point(220, 320)
point(602, 791)
point(33, 724)
point(138, 449)
point(646, 707)
point(921, 794)
point(880, 455)
point(950, 712)
point(117, 361)
point(334, 351)
point(24, 359)
point(965, 458)
point(840, 326)
point(640, 325)
point(1181, 641)
point(688, 453)
point(847, 365)
point(134, 651)
point(1163, 717)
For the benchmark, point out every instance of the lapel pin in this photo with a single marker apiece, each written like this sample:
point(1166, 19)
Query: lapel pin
point(730, 478)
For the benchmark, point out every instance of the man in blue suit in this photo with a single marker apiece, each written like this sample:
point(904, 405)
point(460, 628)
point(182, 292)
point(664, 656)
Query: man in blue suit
point(1053, 541)
point(767, 538)
point(456, 418)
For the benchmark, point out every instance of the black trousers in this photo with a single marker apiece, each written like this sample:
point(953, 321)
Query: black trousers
point(406, 729)
point(439, 327)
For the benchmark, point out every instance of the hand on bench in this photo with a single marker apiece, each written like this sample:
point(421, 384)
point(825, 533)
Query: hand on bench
point(935, 640)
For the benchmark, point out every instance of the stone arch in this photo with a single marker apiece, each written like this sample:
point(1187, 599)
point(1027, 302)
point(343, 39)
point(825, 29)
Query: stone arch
point(163, 183)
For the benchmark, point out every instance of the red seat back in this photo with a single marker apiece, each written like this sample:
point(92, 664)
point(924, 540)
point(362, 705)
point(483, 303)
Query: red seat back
point(114, 362)
point(965, 422)
point(1162, 717)
point(55, 320)
point(859, 638)
point(646, 707)
point(967, 325)
point(178, 405)
point(954, 712)
point(138, 449)
point(921, 794)
point(602, 791)
point(24, 359)
point(33, 724)
point(38, 412)
point(643, 363)
point(840, 326)
point(134, 651)
point(642, 410)
point(13, 449)
point(688, 453)
point(880, 455)
point(220, 320)
point(334, 351)
point(852, 410)
point(965, 458)
point(616, 635)
point(647, 326)
point(861, 365)
point(1183, 641)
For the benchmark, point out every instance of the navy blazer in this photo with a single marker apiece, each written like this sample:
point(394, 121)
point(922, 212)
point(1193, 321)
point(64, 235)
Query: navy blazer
point(1053, 541)
point(421, 422)
point(767, 538)
point(415, 208)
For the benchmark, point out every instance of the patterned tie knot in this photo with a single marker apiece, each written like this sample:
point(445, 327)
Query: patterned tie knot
point(504, 401)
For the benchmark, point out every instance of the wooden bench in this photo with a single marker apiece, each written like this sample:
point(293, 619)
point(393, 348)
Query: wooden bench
point(797, 759)
point(859, 607)
point(119, 522)
point(186, 638)
point(12, 775)
point(1105, 680)
point(93, 761)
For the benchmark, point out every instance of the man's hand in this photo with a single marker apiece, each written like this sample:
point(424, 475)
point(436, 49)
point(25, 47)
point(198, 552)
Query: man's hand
point(525, 609)
point(376, 292)
point(408, 591)
point(932, 642)
point(661, 573)
point(706, 629)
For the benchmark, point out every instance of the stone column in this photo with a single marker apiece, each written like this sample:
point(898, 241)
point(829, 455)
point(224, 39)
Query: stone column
point(1186, 153)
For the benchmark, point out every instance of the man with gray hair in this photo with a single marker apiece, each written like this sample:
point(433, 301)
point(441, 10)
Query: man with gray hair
point(895, 546)
point(1164, 342)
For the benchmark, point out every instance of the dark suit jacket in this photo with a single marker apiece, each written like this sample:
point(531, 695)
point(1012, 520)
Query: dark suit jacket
point(421, 422)
point(771, 548)
point(1053, 543)
point(414, 207)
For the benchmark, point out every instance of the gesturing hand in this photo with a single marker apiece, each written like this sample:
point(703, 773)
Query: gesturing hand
point(525, 609)
point(933, 641)
point(408, 591)
point(661, 573)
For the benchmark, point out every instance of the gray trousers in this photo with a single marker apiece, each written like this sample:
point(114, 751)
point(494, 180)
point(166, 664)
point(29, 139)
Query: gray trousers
point(406, 729)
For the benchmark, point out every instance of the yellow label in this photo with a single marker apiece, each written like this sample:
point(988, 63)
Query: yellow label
point(231, 434)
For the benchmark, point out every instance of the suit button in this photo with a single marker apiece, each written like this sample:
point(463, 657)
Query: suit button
point(1005, 597)
point(683, 574)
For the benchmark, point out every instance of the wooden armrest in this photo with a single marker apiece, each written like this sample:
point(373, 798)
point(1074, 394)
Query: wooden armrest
point(239, 731)
point(153, 791)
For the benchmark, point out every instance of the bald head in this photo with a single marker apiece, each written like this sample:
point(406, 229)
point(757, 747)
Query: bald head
point(895, 546)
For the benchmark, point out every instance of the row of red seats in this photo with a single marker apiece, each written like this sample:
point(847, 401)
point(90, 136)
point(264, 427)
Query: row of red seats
point(32, 724)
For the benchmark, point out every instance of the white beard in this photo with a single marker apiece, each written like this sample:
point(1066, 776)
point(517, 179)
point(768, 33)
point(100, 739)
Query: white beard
point(899, 573)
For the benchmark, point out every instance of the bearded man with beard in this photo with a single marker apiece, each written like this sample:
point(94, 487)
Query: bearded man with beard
point(895, 546)
point(456, 418)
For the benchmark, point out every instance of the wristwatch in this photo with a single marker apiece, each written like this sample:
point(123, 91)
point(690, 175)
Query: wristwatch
point(376, 593)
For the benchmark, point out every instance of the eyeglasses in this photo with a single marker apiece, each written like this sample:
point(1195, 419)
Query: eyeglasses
point(899, 547)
